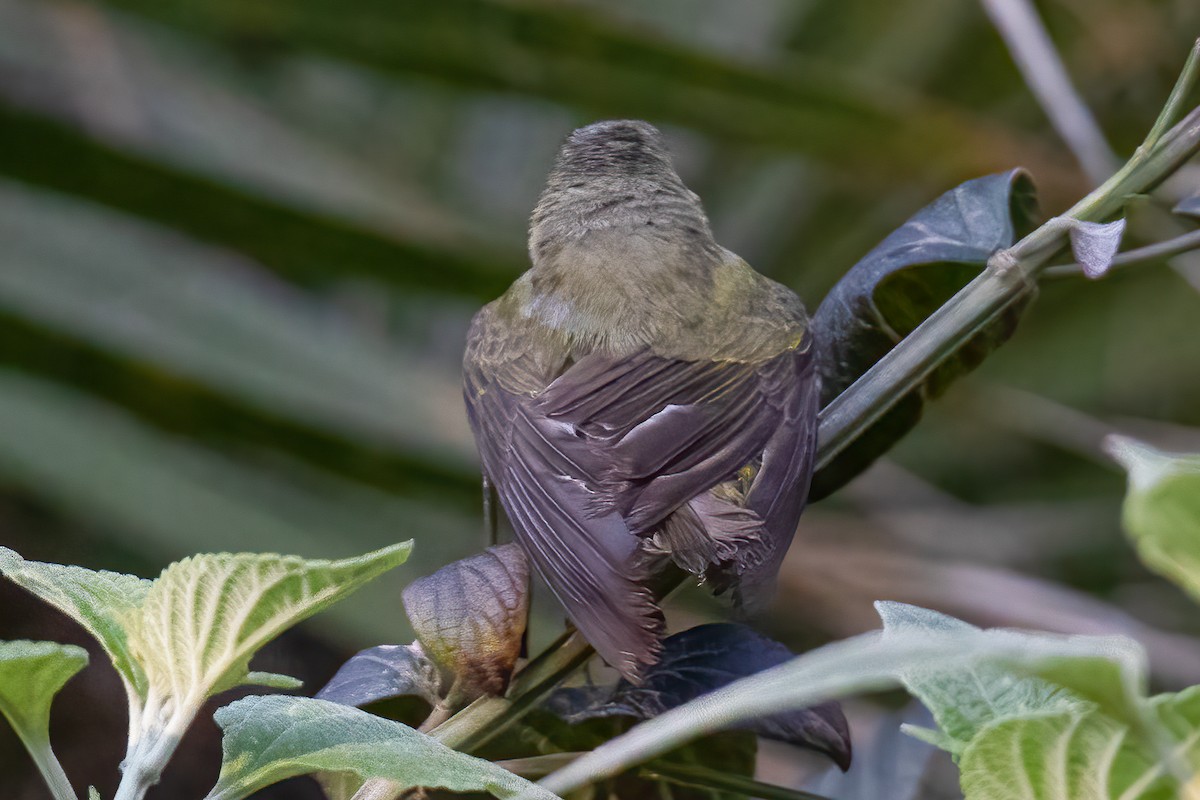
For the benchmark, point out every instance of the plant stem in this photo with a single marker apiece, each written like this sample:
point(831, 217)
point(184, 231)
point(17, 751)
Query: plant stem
point(52, 772)
point(1009, 278)
point(697, 777)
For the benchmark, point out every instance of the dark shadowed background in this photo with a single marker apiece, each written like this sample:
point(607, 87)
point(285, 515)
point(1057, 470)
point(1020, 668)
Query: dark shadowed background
point(240, 243)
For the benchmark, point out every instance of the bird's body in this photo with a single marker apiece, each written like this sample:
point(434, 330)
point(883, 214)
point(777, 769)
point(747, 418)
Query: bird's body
point(640, 390)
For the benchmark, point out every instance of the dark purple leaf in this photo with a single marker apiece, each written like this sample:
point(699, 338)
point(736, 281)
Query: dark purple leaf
point(470, 617)
point(698, 661)
point(384, 672)
point(896, 286)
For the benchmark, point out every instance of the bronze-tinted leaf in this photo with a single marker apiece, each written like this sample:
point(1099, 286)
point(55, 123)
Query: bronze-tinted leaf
point(470, 617)
point(896, 286)
point(384, 672)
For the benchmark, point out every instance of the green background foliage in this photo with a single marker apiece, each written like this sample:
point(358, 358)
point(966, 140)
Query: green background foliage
point(240, 245)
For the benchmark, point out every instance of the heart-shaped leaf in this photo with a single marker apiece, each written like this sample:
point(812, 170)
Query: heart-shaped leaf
point(704, 658)
point(381, 673)
point(470, 617)
point(268, 739)
point(908, 276)
point(1162, 509)
point(31, 674)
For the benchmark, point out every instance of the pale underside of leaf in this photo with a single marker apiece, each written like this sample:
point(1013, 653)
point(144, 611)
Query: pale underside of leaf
point(206, 616)
point(101, 601)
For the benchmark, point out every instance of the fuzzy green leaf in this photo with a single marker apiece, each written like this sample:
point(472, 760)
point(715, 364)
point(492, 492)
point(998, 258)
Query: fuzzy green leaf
point(864, 663)
point(206, 616)
point(966, 698)
point(1162, 509)
point(268, 739)
point(1086, 755)
point(31, 674)
point(100, 601)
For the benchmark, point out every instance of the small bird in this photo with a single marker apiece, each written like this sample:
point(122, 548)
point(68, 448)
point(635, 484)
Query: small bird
point(640, 391)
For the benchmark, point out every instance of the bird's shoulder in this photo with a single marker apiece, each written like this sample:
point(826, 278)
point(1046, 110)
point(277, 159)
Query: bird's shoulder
point(749, 317)
point(508, 347)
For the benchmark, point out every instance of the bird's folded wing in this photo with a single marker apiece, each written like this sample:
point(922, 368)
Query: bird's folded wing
point(591, 562)
point(652, 432)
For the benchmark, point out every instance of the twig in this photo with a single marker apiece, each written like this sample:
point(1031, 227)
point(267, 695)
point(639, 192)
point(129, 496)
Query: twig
point(1009, 278)
point(1035, 56)
point(698, 777)
point(1187, 81)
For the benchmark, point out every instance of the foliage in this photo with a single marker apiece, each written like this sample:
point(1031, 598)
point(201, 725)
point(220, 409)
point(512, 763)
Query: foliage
point(185, 636)
point(230, 306)
point(268, 739)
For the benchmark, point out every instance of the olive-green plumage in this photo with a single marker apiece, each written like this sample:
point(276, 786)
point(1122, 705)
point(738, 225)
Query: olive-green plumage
point(640, 390)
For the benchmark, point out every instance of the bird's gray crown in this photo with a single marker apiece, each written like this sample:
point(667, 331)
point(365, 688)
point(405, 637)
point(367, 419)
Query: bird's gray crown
point(615, 175)
point(625, 148)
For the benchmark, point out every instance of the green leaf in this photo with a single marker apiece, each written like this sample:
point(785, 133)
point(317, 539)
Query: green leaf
point(268, 739)
point(470, 617)
point(568, 55)
point(1086, 755)
point(308, 248)
point(100, 601)
point(1162, 509)
point(31, 674)
point(864, 663)
point(272, 680)
point(1066, 756)
point(206, 616)
point(192, 632)
point(966, 698)
point(896, 286)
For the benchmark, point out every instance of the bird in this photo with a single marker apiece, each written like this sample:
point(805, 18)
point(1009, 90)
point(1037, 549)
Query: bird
point(641, 392)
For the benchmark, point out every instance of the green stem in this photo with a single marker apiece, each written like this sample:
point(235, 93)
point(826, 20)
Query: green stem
point(52, 772)
point(1187, 79)
point(1008, 279)
point(697, 777)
